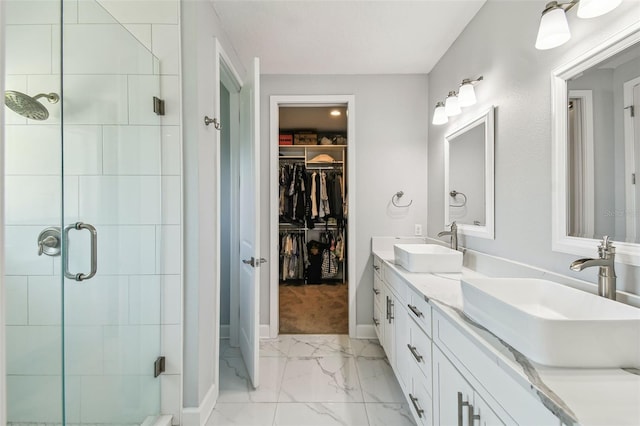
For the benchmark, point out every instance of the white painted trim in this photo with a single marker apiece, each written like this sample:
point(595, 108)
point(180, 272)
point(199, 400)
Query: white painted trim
point(588, 160)
point(265, 331)
point(487, 231)
point(632, 204)
point(230, 79)
point(228, 74)
point(312, 100)
point(366, 331)
point(3, 375)
point(199, 416)
point(625, 252)
point(165, 420)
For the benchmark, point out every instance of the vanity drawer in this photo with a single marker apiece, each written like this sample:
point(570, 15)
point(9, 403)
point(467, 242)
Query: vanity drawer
point(377, 319)
point(420, 399)
point(420, 348)
point(395, 283)
point(377, 267)
point(420, 310)
point(378, 290)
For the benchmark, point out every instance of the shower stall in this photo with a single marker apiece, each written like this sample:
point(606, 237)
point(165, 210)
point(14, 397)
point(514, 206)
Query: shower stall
point(90, 235)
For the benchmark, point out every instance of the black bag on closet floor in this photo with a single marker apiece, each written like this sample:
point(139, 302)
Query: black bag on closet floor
point(314, 271)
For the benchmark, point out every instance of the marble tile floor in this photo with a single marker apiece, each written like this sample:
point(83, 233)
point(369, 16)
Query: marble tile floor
point(311, 380)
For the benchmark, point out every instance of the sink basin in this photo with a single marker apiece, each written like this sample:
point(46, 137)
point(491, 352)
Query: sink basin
point(553, 324)
point(427, 258)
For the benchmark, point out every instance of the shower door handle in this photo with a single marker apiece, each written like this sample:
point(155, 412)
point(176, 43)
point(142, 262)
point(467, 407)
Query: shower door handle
point(94, 251)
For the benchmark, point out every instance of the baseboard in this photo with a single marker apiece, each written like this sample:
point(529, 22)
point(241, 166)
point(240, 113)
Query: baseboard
point(366, 331)
point(158, 421)
point(225, 331)
point(198, 416)
point(265, 331)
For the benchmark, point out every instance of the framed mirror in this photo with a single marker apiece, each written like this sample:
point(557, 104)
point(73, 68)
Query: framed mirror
point(468, 176)
point(596, 149)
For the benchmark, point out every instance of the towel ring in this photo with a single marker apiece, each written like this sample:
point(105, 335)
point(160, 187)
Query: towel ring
point(397, 196)
point(453, 194)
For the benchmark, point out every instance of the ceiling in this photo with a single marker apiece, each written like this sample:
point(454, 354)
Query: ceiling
point(344, 36)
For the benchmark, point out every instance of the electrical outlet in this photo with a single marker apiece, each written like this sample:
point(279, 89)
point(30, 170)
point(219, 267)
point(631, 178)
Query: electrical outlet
point(417, 229)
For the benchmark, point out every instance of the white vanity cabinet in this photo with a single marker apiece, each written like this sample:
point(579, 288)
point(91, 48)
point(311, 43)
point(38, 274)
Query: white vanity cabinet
point(493, 393)
point(448, 378)
point(456, 402)
point(402, 334)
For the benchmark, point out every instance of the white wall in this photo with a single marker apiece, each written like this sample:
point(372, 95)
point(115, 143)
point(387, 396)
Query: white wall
point(199, 29)
point(517, 81)
point(391, 128)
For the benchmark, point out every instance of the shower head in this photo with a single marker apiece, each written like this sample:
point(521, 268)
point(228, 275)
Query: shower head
point(28, 106)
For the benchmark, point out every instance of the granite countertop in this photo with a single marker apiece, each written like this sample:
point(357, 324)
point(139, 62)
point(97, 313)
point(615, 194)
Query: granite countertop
point(575, 395)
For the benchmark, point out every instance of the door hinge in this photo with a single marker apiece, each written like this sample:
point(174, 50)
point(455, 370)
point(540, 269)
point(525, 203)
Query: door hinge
point(632, 110)
point(158, 106)
point(158, 366)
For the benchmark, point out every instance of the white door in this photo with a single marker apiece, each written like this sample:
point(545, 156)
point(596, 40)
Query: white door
point(249, 149)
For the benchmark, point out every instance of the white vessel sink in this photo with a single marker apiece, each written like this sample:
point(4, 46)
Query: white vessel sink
point(427, 258)
point(553, 324)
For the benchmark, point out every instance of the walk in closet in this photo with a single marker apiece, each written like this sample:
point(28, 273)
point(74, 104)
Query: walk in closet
point(313, 219)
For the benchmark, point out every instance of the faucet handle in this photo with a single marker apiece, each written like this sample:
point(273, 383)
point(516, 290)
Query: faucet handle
point(605, 247)
point(454, 226)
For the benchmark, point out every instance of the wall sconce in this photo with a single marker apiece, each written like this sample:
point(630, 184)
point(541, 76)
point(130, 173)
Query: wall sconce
point(452, 104)
point(467, 94)
point(439, 116)
point(554, 28)
point(455, 100)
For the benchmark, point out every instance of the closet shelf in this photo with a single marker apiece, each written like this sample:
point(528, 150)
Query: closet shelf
point(311, 146)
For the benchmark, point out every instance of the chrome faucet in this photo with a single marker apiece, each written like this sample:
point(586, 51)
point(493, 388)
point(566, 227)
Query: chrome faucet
point(607, 274)
point(454, 235)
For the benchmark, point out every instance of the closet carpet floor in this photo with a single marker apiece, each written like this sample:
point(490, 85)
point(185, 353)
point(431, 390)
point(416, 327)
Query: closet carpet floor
point(314, 309)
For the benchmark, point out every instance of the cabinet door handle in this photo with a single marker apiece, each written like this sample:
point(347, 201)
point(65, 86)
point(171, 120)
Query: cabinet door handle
point(472, 417)
point(376, 291)
point(414, 401)
point(461, 404)
point(415, 353)
point(388, 308)
point(391, 317)
point(415, 311)
point(376, 322)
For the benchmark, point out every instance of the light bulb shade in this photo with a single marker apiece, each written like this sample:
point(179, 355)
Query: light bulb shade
point(439, 116)
point(593, 8)
point(452, 105)
point(466, 95)
point(554, 29)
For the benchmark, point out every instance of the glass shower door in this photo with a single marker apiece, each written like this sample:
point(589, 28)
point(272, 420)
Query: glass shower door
point(84, 217)
point(112, 220)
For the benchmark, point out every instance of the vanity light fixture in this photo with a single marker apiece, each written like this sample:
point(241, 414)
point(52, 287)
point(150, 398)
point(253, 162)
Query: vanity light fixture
point(554, 28)
point(439, 116)
point(455, 100)
point(452, 104)
point(467, 94)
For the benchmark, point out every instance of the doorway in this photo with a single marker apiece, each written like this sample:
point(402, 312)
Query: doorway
point(312, 282)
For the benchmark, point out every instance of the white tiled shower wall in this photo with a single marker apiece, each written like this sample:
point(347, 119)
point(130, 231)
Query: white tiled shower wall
point(122, 174)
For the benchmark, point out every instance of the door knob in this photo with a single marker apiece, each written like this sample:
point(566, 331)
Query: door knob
point(251, 261)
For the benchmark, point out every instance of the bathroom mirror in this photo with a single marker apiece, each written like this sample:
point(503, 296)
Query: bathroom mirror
point(596, 139)
point(468, 176)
